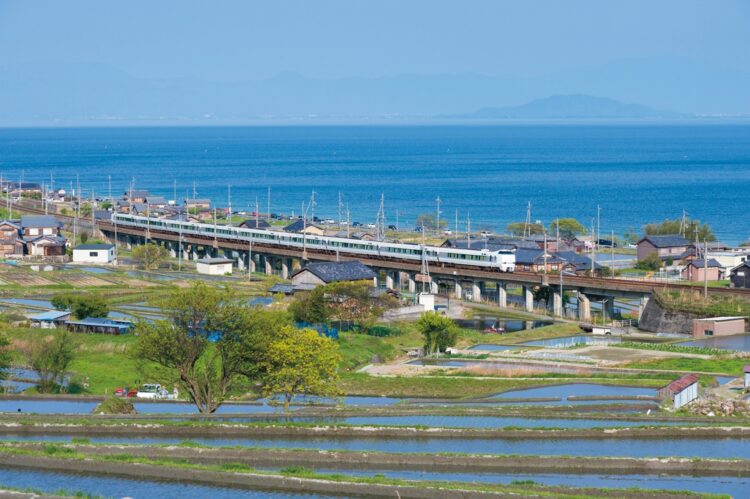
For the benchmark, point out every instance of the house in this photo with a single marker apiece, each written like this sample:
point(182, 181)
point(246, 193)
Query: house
point(668, 247)
point(39, 225)
point(327, 272)
point(50, 320)
point(701, 269)
point(46, 246)
point(99, 325)
point(156, 201)
point(681, 391)
point(718, 326)
point(94, 253)
point(252, 223)
point(360, 235)
point(23, 187)
point(729, 259)
point(134, 196)
point(198, 204)
point(300, 226)
point(533, 260)
point(214, 266)
point(10, 242)
point(739, 276)
point(581, 263)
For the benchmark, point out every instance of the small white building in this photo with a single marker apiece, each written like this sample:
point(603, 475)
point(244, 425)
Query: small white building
point(94, 253)
point(214, 266)
point(681, 391)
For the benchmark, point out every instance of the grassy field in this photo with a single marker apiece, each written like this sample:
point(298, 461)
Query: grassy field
point(732, 366)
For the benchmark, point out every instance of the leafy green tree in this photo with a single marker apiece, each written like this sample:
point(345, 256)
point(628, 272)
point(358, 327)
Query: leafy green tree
point(196, 344)
point(85, 210)
point(311, 307)
point(439, 332)
point(5, 355)
point(355, 302)
point(692, 229)
point(427, 220)
point(49, 357)
point(300, 361)
point(150, 255)
point(569, 228)
point(84, 237)
point(652, 261)
point(518, 228)
point(82, 306)
point(106, 205)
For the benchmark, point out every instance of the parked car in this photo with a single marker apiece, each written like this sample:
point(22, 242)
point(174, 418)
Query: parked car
point(392, 227)
point(149, 391)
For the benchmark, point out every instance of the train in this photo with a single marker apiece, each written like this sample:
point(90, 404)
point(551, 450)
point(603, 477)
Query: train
point(503, 260)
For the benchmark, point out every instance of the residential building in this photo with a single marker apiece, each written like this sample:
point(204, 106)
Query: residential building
point(729, 259)
point(300, 226)
point(681, 391)
point(252, 223)
point(10, 241)
point(718, 326)
point(41, 235)
point(317, 274)
point(94, 253)
point(668, 247)
point(199, 204)
point(534, 260)
point(700, 270)
point(156, 202)
point(739, 276)
point(214, 266)
point(135, 196)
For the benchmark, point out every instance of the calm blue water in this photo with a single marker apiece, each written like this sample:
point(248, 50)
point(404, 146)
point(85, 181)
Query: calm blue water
point(636, 173)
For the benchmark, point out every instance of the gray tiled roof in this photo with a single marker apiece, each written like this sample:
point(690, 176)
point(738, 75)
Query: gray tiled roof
point(39, 221)
point(535, 256)
point(666, 241)
point(699, 263)
point(94, 246)
point(298, 226)
point(340, 271)
point(251, 223)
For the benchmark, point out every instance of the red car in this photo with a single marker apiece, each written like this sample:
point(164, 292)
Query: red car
point(126, 392)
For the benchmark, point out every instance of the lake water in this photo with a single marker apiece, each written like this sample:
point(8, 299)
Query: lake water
point(487, 347)
point(739, 342)
point(636, 173)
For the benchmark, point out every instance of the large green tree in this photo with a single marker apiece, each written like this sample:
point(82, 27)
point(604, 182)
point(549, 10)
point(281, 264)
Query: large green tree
point(49, 356)
point(82, 306)
point(439, 332)
point(150, 255)
point(300, 361)
point(357, 302)
point(519, 228)
point(569, 228)
point(690, 228)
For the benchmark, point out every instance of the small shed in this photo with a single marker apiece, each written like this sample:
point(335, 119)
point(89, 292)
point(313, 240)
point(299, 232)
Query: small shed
point(700, 269)
point(746, 371)
point(327, 272)
point(681, 391)
point(50, 320)
point(94, 253)
point(99, 325)
point(718, 326)
point(214, 266)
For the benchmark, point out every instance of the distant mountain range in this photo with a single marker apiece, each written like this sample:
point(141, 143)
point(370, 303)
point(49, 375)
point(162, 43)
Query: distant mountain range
point(569, 107)
point(55, 93)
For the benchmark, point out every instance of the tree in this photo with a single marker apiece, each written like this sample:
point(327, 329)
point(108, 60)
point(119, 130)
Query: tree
point(5, 355)
point(652, 261)
point(84, 237)
point(49, 357)
point(82, 306)
point(427, 220)
point(691, 229)
point(569, 228)
point(150, 255)
point(196, 344)
point(518, 228)
point(355, 302)
point(300, 361)
point(439, 332)
point(311, 307)
point(106, 205)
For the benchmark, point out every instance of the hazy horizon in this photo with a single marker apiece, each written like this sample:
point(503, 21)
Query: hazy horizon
point(83, 62)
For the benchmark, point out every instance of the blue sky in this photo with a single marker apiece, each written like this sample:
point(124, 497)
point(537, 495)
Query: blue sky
point(231, 41)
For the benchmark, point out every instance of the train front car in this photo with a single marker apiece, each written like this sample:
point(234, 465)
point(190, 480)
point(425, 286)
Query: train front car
point(506, 260)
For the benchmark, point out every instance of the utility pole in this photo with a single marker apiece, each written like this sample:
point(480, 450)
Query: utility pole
point(304, 231)
point(598, 224)
point(348, 222)
point(312, 206)
point(612, 250)
point(380, 223)
point(557, 234)
point(109, 184)
point(437, 215)
point(195, 194)
point(268, 203)
point(527, 224)
point(545, 252)
point(229, 202)
point(705, 269)
point(593, 249)
point(468, 231)
point(455, 227)
point(257, 214)
point(396, 219)
point(339, 207)
point(174, 191)
point(179, 248)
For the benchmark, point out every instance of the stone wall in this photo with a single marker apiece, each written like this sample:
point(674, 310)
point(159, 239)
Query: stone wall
point(658, 320)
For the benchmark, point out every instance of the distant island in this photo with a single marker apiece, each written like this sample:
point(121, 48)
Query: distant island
point(577, 106)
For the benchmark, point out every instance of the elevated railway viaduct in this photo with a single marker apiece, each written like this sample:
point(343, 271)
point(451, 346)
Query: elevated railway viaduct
point(454, 280)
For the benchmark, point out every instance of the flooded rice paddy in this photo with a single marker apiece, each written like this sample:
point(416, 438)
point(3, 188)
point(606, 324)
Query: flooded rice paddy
point(480, 323)
point(569, 341)
point(739, 342)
